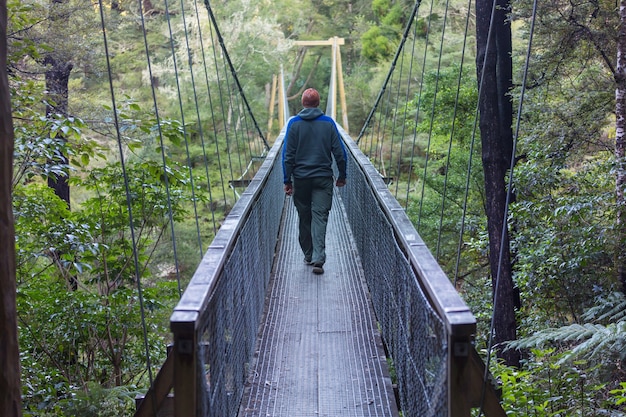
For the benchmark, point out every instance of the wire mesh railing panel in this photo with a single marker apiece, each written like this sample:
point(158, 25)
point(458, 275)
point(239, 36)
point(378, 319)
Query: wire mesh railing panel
point(232, 317)
point(414, 334)
point(219, 314)
point(224, 300)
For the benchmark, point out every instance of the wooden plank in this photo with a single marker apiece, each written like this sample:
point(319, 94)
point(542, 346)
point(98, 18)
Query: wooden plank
point(153, 403)
point(475, 385)
point(329, 42)
point(166, 409)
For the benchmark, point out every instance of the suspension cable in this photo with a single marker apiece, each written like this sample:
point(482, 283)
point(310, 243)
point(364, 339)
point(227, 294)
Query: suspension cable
point(215, 32)
point(161, 142)
point(233, 72)
point(404, 123)
point(471, 153)
point(415, 121)
point(432, 122)
point(421, 205)
point(196, 101)
point(128, 199)
point(182, 112)
point(210, 98)
point(395, 115)
point(391, 70)
point(382, 128)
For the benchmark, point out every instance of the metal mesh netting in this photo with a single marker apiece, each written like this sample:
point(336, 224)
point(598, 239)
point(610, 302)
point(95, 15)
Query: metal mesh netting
point(320, 352)
point(231, 319)
point(412, 331)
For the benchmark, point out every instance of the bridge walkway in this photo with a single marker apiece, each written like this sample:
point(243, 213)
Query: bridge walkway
point(320, 352)
point(256, 333)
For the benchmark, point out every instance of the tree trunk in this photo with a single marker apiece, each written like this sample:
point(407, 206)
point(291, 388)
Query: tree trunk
point(57, 80)
point(494, 71)
point(57, 84)
point(10, 389)
point(620, 146)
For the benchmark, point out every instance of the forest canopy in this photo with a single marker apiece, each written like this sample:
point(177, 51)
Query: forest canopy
point(78, 258)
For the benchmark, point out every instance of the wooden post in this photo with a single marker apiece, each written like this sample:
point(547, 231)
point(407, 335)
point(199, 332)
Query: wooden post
point(272, 103)
point(467, 387)
point(329, 42)
point(281, 101)
point(10, 391)
point(185, 353)
point(342, 92)
point(332, 91)
point(458, 356)
point(158, 401)
point(334, 42)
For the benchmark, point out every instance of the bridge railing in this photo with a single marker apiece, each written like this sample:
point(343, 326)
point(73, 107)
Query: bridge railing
point(216, 321)
point(426, 327)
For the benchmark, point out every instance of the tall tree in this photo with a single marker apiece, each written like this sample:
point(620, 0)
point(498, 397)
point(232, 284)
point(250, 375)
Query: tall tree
point(10, 391)
point(620, 144)
point(495, 78)
point(58, 70)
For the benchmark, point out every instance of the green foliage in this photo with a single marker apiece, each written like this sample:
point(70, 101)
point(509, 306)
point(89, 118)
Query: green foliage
point(380, 7)
point(379, 41)
point(78, 307)
point(97, 401)
point(564, 180)
point(594, 341)
point(600, 339)
point(545, 387)
point(394, 18)
point(47, 235)
point(42, 146)
point(563, 236)
point(69, 338)
point(443, 155)
point(44, 141)
point(609, 309)
point(376, 46)
point(619, 394)
point(22, 16)
point(573, 369)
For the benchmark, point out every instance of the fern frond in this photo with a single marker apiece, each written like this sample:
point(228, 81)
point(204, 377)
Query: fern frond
point(573, 332)
point(610, 309)
point(599, 344)
point(594, 341)
point(601, 338)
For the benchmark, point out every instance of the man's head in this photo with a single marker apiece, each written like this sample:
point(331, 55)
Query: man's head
point(310, 98)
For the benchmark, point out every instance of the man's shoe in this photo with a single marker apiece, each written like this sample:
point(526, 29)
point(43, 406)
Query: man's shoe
point(308, 261)
point(317, 269)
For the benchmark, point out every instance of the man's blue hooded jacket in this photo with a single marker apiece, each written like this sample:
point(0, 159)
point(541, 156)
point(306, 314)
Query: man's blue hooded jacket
point(311, 141)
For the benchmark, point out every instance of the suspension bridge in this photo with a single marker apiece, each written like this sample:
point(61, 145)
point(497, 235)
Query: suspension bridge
point(382, 333)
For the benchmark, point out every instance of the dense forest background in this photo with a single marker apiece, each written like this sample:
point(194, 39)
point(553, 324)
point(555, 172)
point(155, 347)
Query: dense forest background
point(83, 336)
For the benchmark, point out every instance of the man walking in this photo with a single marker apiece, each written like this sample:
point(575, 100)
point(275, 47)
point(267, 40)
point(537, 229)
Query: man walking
point(311, 142)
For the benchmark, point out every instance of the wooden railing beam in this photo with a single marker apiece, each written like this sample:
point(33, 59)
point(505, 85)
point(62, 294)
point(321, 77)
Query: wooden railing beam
point(152, 403)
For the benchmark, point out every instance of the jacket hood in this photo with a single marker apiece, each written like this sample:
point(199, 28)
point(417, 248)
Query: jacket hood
point(310, 113)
